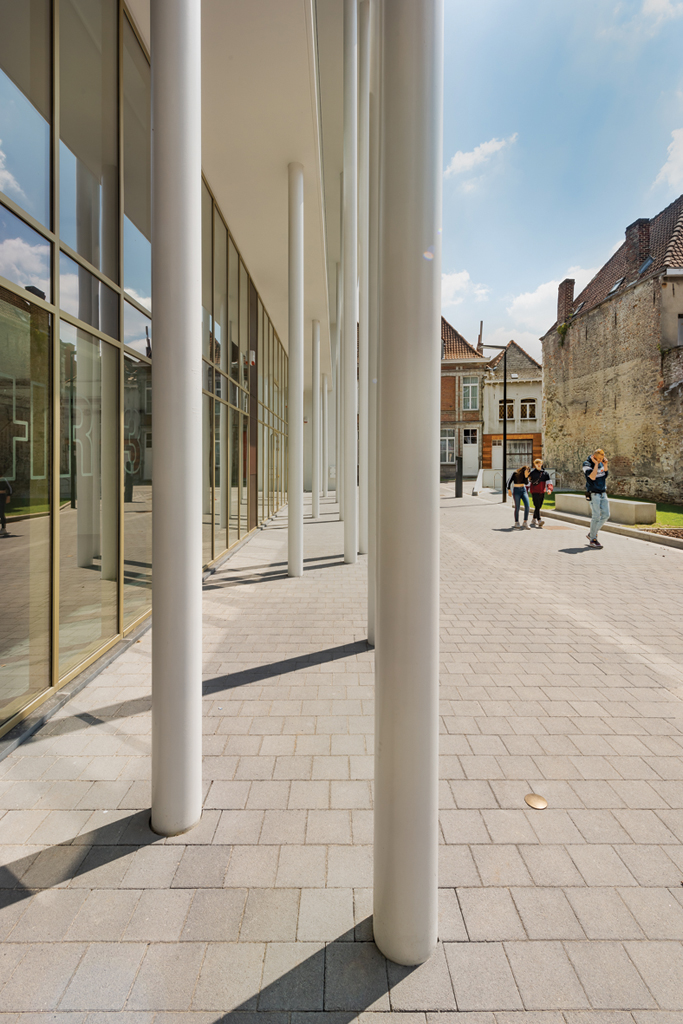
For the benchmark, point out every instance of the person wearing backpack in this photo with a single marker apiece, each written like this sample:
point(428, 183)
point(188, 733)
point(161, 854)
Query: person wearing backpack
point(596, 471)
point(539, 483)
point(516, 488)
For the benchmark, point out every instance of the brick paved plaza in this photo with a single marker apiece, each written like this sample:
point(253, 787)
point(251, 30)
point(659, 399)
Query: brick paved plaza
point(561, 674)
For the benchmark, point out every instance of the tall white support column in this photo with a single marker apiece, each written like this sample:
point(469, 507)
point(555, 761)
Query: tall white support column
point(295, 531)
point(407, 658)
point(350, 281)
point(373, 318)
point(325, 439)
point(177, 401)
point(363, 265)
point(340, 398)
point(315, 417)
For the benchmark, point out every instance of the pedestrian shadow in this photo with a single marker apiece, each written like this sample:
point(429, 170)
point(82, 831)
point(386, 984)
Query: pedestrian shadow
point(576, 551)
point(298, 663)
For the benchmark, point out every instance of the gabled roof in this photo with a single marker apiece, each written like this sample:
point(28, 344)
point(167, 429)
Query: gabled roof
point(518, 363)
point(454, 345)
point(624, 266)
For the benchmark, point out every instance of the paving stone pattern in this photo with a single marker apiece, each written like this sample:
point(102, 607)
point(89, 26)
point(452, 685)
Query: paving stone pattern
point(561, 674)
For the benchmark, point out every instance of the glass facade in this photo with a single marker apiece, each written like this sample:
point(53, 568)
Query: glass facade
point(76, 426)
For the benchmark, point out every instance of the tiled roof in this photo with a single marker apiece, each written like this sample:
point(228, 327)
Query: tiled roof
point(666, 250)
point(522, 358)
point(454, 345)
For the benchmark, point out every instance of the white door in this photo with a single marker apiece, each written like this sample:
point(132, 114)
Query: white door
point(470, 452)
point(496, 455)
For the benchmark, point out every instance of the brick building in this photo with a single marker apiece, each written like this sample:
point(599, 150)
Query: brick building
point(613, 365)
point(522, 410)
point(462, 376)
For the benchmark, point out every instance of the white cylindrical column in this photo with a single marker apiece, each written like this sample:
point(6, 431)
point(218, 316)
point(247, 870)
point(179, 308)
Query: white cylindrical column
point(340, 398)
point(373, 319)
point(325, 439)
point(363, 267)
point(350, 282)
point(295, 531)
point(177, 403)
point(315, 417)
point(407, 657)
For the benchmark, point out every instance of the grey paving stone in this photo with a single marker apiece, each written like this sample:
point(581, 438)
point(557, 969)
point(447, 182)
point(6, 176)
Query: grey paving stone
point(546, 914)
point(490, 914)
point(293, 977)
point(657, 911)
point(600, 865)
point(104, 976)
point(599, 827)
point(159, 916)
point(284, 827)
point(152, 867)
point(215, 915)
point(603, 913)
point(661, 966)
point(55, 866)
point(104, 915)
point(239, 827)
point(464, 827)
point(325, 827)
point(451, 924)
point(509, 826)
point(544, 976)
point(608, 976)
point(202, 867)
point(167, 976)
point(270, 916)
point(427, 987)
point(650, 865)
point(550, 865)
point(554, 826)
point(48, 916)
point(355, 977)
point(39, 980)
point(252, 866)
point(325, 914)
point(104, 867)
point(349, 866)
point(457, 867)
point(481, 975)
point(500, 865)
point(13, 904)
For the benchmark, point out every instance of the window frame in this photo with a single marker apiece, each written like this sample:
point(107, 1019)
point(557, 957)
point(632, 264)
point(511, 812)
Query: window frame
point(470, 389)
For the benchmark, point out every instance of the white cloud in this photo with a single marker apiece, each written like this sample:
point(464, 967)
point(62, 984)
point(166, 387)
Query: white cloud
point(25, 264)
point(8, 183)
point(671, 173)
point(462, 163)
point(144, 300)
point(537, 310)
point(458, 286)
point(528, 340)
point(661, 10)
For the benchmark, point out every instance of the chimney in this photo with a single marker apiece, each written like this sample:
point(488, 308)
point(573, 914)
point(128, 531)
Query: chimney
point(480, 339)
point(638, 239)
point(565, 300)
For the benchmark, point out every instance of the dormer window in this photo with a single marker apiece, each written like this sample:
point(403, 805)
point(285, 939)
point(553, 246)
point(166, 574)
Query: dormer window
point(615, 286)
point(579, 307)
point(646, 265)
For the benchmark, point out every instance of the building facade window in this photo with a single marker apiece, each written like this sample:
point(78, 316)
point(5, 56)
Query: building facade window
point(528, 409)
point(470, 393)
point(519, 453)
point(448, 444)
point(470, 435)
point(510, 412)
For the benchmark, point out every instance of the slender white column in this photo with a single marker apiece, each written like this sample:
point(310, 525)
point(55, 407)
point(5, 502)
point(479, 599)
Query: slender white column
point(340, 398)
point(177, 402)
point(295, 530)
point(373, 320)
point(350, 282)
point(407, 658)
point(315, 417)
point(363, 266)
point(325, 439)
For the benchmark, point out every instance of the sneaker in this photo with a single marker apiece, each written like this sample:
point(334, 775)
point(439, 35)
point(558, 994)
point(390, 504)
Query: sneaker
point(526, 525)
point(516, 527)
point(540, 524)
point(4, 533)
point(595, 544)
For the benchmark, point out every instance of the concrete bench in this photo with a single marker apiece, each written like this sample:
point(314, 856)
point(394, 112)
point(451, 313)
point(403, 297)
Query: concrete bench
point(620, 509)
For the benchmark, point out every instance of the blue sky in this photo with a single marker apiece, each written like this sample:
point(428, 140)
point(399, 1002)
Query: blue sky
point(563, 123)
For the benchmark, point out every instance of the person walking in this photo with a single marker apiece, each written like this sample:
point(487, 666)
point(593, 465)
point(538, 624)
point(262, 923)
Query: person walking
point(539, 482)
point(5, 495)
point(516, 487)
point(596, 471)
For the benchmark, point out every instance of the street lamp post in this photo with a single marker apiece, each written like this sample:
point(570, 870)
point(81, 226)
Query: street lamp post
point(504, 350)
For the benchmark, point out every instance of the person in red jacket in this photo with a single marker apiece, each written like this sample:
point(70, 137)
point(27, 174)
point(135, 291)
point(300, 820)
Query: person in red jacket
point(539, 480)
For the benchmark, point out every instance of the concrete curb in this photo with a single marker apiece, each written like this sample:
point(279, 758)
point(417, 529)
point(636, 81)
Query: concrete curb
point(625, 531)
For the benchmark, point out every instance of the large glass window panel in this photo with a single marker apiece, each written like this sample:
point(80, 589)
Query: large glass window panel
point(137, 330)
point(259, 464)
point(220, 490)
point(24, 490)
point(244, 327)
point(207, 500)
point(244, 478)
point(207, 274)
point(137, 174)
point(88, 523)
point(233, 310)
point(234, 428)
point(220, 293)
point(259, 353)
point(25, 100)
point(24, 255)
point(137, 488)
point(88, 173)
point(87, 298)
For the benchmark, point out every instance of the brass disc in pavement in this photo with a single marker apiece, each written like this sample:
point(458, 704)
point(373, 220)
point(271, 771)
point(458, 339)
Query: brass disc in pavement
point(536, 801)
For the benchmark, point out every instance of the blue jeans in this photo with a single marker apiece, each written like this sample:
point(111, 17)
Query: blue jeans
point(600, 512)
point(519, 494)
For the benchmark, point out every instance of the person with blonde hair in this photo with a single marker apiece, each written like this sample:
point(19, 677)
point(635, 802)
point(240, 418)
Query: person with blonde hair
point(539, 483)
point(596, 471)
point(516, 488)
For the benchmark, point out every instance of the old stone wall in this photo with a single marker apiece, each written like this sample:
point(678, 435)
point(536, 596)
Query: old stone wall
point(608, 384)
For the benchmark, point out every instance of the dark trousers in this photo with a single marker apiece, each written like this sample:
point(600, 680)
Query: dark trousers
point(3, 513)
point(538, 500)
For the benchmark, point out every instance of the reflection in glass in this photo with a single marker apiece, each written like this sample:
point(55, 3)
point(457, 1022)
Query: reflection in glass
point(25, 480)
point(87, 298)
point(88, 525)
point(88, 171)
point(244, 326)
point(220, 293)
point(24, 255)
point(137, 488)
point(244, 463)
point(233, 310)
point(220, 493)
point(137, 174)
point(137, 330)
point(234, 427)
point(206, 479)
point(207, 214)
point(25, 97)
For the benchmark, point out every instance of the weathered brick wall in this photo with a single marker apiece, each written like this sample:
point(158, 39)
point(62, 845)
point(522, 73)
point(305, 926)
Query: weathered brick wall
point(609, 385)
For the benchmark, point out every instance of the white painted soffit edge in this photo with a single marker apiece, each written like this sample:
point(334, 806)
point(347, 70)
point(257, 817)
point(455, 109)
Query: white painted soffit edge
point(260, 112)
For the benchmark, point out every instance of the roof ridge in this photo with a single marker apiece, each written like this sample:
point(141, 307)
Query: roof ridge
point(676, 236)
